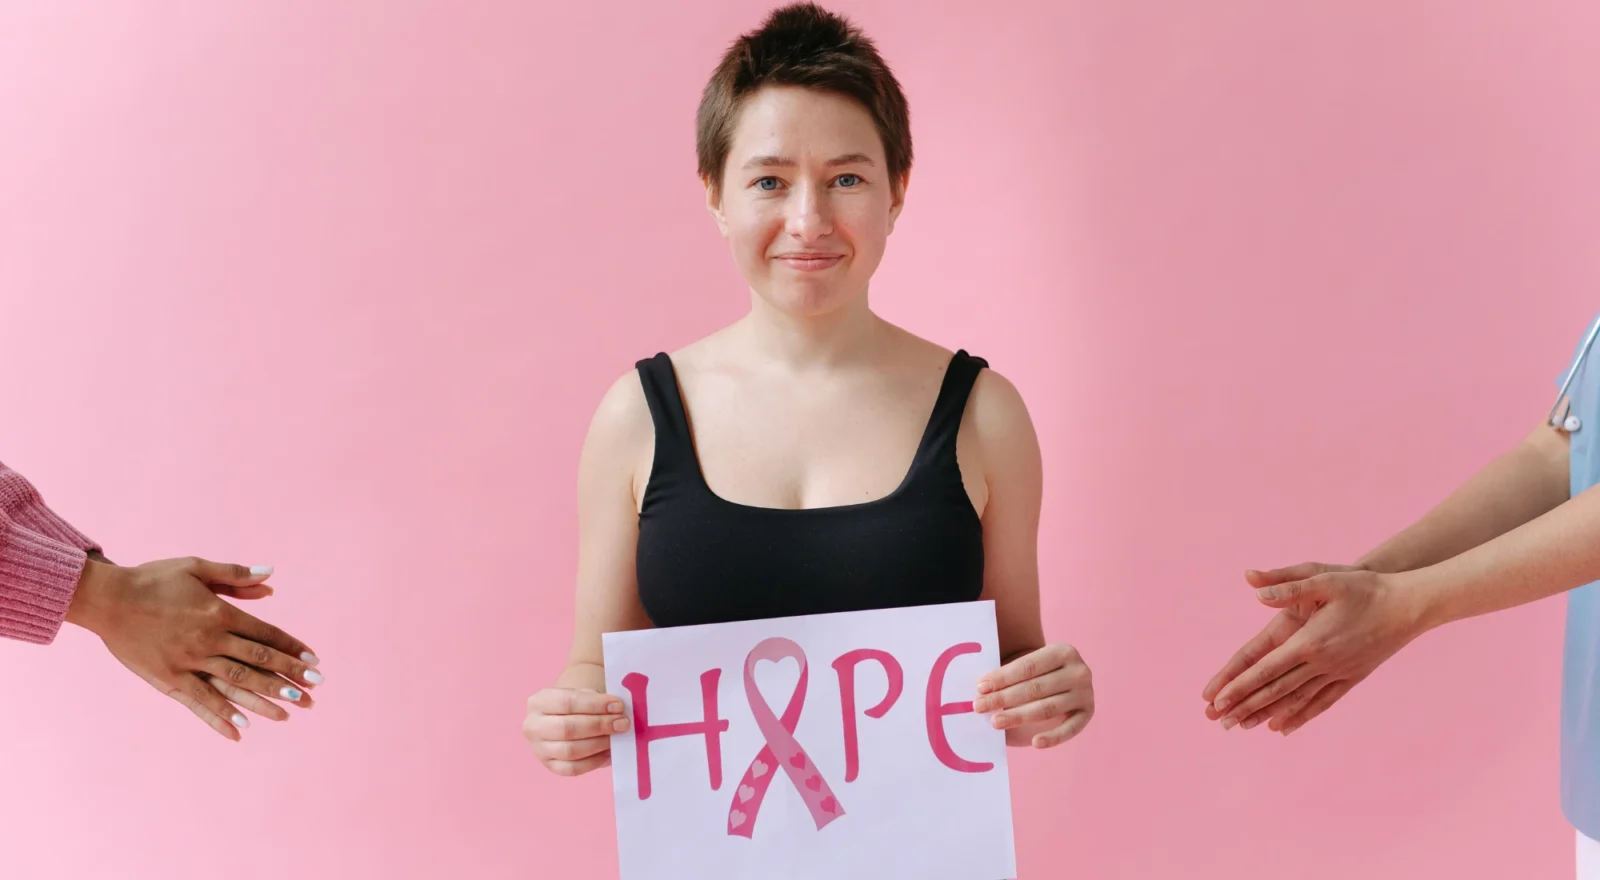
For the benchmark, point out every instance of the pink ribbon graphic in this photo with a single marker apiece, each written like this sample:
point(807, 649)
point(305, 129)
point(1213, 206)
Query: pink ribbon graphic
point(782, 749)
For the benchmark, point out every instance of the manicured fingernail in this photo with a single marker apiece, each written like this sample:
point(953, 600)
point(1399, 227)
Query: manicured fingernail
point(310, 658)
point(1289, 730)
point(1228, 723)
point(1222, 705)
point(1266, 593)
point(1001, 720)
point(619, 725)
point(980, 705)
point(260, 570)
point(613, 707)
point(291, 694)
point(240, 720)
point(984, 686)
point(1249, 723)
point(313, 676)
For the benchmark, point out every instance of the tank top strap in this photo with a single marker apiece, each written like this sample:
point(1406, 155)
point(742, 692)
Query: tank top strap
point(674, 445)
point(939, 441)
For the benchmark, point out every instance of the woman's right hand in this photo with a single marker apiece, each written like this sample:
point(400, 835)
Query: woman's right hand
point(164, 621)
point(570, 728)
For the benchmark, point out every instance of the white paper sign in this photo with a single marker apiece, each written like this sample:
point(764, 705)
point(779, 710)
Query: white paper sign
point(832, 746)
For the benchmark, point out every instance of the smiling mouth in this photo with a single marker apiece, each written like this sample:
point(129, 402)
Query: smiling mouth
point(810, 262)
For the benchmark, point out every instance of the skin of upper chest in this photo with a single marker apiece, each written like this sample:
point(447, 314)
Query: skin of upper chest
point(815, 441)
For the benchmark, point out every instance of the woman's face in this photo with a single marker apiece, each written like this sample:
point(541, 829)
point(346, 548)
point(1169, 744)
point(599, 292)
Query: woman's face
point(806, 202)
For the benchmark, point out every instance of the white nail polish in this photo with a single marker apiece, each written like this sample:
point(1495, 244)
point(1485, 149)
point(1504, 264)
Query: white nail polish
point(313, 676)
point(260, 570)
point(240, 720)
point(309, 658)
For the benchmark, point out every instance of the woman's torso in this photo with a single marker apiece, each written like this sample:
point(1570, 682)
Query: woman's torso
point(763, 502)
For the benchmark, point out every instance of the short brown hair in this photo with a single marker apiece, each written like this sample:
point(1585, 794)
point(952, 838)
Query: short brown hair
point(803, 45)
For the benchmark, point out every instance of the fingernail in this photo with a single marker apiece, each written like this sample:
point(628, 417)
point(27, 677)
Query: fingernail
point(980, 705)
point(613, 707)
point(1228, 723)
point(291, 694)
point(313, 676)
point(1266, 593)
point(1249, 723)
point(1289, 730)
point(260, 570)
point(1222, 705)
point(619, 725)
point(984, 686)
point(239, 720)
point(310, 658)
point(1001, 720)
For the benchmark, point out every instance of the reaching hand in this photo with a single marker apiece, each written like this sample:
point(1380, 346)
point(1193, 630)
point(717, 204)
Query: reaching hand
point(164, 621)
point(1274, 634)
point(1337, 625)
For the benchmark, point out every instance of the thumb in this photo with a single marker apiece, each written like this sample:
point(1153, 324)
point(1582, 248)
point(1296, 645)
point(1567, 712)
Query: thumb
point(1314, 589)
point(1299, 572)
point(230, 574)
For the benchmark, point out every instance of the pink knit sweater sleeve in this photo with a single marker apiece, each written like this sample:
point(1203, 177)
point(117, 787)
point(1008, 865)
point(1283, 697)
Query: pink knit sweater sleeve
point(41, 559)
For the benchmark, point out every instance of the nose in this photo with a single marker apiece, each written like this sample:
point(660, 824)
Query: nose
point(809, 217)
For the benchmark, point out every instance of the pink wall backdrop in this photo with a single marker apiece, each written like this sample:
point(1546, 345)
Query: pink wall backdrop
point(335, 287)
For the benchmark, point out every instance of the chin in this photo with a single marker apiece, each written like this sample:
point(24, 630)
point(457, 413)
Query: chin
point(805, 300)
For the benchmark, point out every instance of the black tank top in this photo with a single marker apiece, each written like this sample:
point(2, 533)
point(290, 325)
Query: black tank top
point(703, 559)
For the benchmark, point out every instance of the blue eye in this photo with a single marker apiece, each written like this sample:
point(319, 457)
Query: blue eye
point(848, 177)
point(761, 184)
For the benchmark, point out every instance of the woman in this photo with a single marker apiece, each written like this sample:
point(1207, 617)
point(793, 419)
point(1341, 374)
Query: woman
point(162, 620)
point(788, 464)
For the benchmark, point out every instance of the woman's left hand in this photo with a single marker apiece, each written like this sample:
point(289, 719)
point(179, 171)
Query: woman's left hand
point(1042, 698)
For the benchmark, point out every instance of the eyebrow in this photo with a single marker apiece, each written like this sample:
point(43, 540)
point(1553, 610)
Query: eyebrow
point(781, 162)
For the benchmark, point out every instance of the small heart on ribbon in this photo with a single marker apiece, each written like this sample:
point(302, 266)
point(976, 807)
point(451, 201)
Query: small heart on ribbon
point(814, 783)
point(798, 762)
point(829, 805)
point(759, 769)
point(735, 819)
point(746, 793)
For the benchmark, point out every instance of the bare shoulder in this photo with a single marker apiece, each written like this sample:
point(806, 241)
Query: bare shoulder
point(621, 433)
point(997, 419)
point(996, 406)
point(623, 411)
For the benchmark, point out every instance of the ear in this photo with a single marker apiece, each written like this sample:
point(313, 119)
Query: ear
point(714, 205)
point(899, 201)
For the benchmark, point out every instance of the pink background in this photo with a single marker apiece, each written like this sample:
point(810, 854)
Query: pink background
point(336, 287)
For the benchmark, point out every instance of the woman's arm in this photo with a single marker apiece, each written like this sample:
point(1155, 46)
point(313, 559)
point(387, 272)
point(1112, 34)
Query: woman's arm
point(1042, 694)
point(621, 436)
point(570, 724)
point(1003, 441)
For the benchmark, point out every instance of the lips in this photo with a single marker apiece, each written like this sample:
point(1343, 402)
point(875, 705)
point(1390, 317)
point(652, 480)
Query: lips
point(810, 262)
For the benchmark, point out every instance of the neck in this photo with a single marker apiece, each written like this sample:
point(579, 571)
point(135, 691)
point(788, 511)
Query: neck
point(799, 342)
